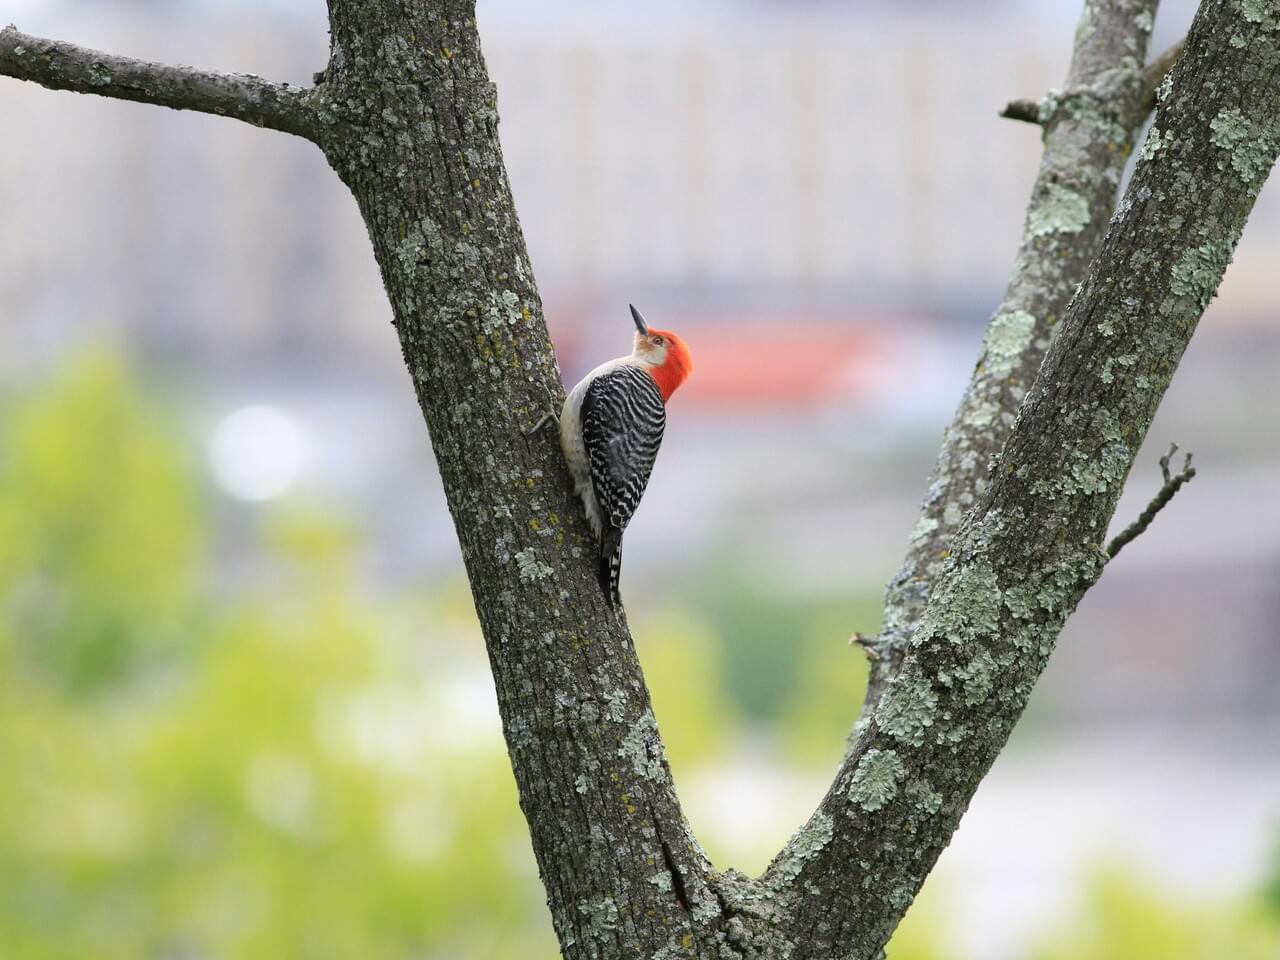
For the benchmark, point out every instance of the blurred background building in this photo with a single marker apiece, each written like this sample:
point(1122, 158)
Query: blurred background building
point(823, 200)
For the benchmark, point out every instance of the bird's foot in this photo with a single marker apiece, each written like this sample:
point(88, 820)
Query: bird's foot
point(542, 422)
point(546, 418)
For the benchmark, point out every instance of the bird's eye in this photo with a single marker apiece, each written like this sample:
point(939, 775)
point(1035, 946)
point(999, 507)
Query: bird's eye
point(658, 341)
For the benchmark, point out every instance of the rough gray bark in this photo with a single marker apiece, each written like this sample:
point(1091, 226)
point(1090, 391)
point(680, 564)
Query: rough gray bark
point(406, 116)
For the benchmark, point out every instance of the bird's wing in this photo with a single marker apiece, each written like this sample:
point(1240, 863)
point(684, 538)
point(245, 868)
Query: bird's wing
point(623, 417)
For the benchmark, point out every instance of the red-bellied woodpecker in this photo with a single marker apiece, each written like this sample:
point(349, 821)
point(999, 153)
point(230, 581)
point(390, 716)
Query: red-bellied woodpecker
point(610, 429)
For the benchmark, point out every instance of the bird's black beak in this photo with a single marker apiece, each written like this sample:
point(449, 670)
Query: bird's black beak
point(640, 324)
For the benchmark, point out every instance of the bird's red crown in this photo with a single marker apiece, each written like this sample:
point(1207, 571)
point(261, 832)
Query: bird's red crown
point(675, 366)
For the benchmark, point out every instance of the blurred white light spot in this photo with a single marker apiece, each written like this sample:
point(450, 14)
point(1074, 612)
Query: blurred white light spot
point(256, 453)
point(469, 699)
point(281, 790)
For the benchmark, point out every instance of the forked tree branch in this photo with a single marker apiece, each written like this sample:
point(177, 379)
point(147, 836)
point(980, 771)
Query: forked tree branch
point(407, 118)
point(1033, 544)
point(1087, 141)
point(66, 66)
point(1172, 484)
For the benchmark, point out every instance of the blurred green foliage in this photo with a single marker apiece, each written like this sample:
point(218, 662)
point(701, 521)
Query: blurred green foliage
point(1125, 919)
point(1271, 891)
point(100, 526)
point(694, 711)
point(763, 676)
point(281, 763)
point(273, 771)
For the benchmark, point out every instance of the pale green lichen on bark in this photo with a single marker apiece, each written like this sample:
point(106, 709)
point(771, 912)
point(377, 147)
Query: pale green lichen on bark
point(928, 799)
point(1020, 601)
point(925, 525)
point(953, 735)
point(531, 567)
point(503, 309)
point(601, 918)
point(1048, 105)
point(617, 701)
point(1091, 476)
point(1255, 11)
point(907, 710)
point(875, 781)
point(642, 749)
point(982, 415)
point(661, 880)
point(977, 677)
point(1088, 473)
point(1008, 335)
point(1109, 365)
point(1251, 151)
point(1059, 210)
point(1153, 143)
point(968, 598)
point(804, 846)
point(1198, 272)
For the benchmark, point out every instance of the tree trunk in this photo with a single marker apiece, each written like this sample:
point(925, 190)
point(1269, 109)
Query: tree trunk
point(407, 117)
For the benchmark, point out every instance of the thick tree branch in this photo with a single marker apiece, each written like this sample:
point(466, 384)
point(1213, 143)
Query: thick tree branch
point(1033, 543)
point(65, 66)
point(1088, 136)
point(1172, 484)
point(408, 119)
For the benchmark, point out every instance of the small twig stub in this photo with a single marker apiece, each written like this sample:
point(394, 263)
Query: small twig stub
point(1027, 111)
point(1173, 482)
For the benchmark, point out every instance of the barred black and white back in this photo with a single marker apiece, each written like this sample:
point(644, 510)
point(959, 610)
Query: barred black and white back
point(622, 421)
point(610, 429)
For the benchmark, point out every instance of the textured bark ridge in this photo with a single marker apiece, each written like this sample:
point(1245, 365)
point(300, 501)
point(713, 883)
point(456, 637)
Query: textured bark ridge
point(407, 117)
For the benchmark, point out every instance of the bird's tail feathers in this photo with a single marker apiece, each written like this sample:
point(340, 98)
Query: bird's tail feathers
point(611, 565)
